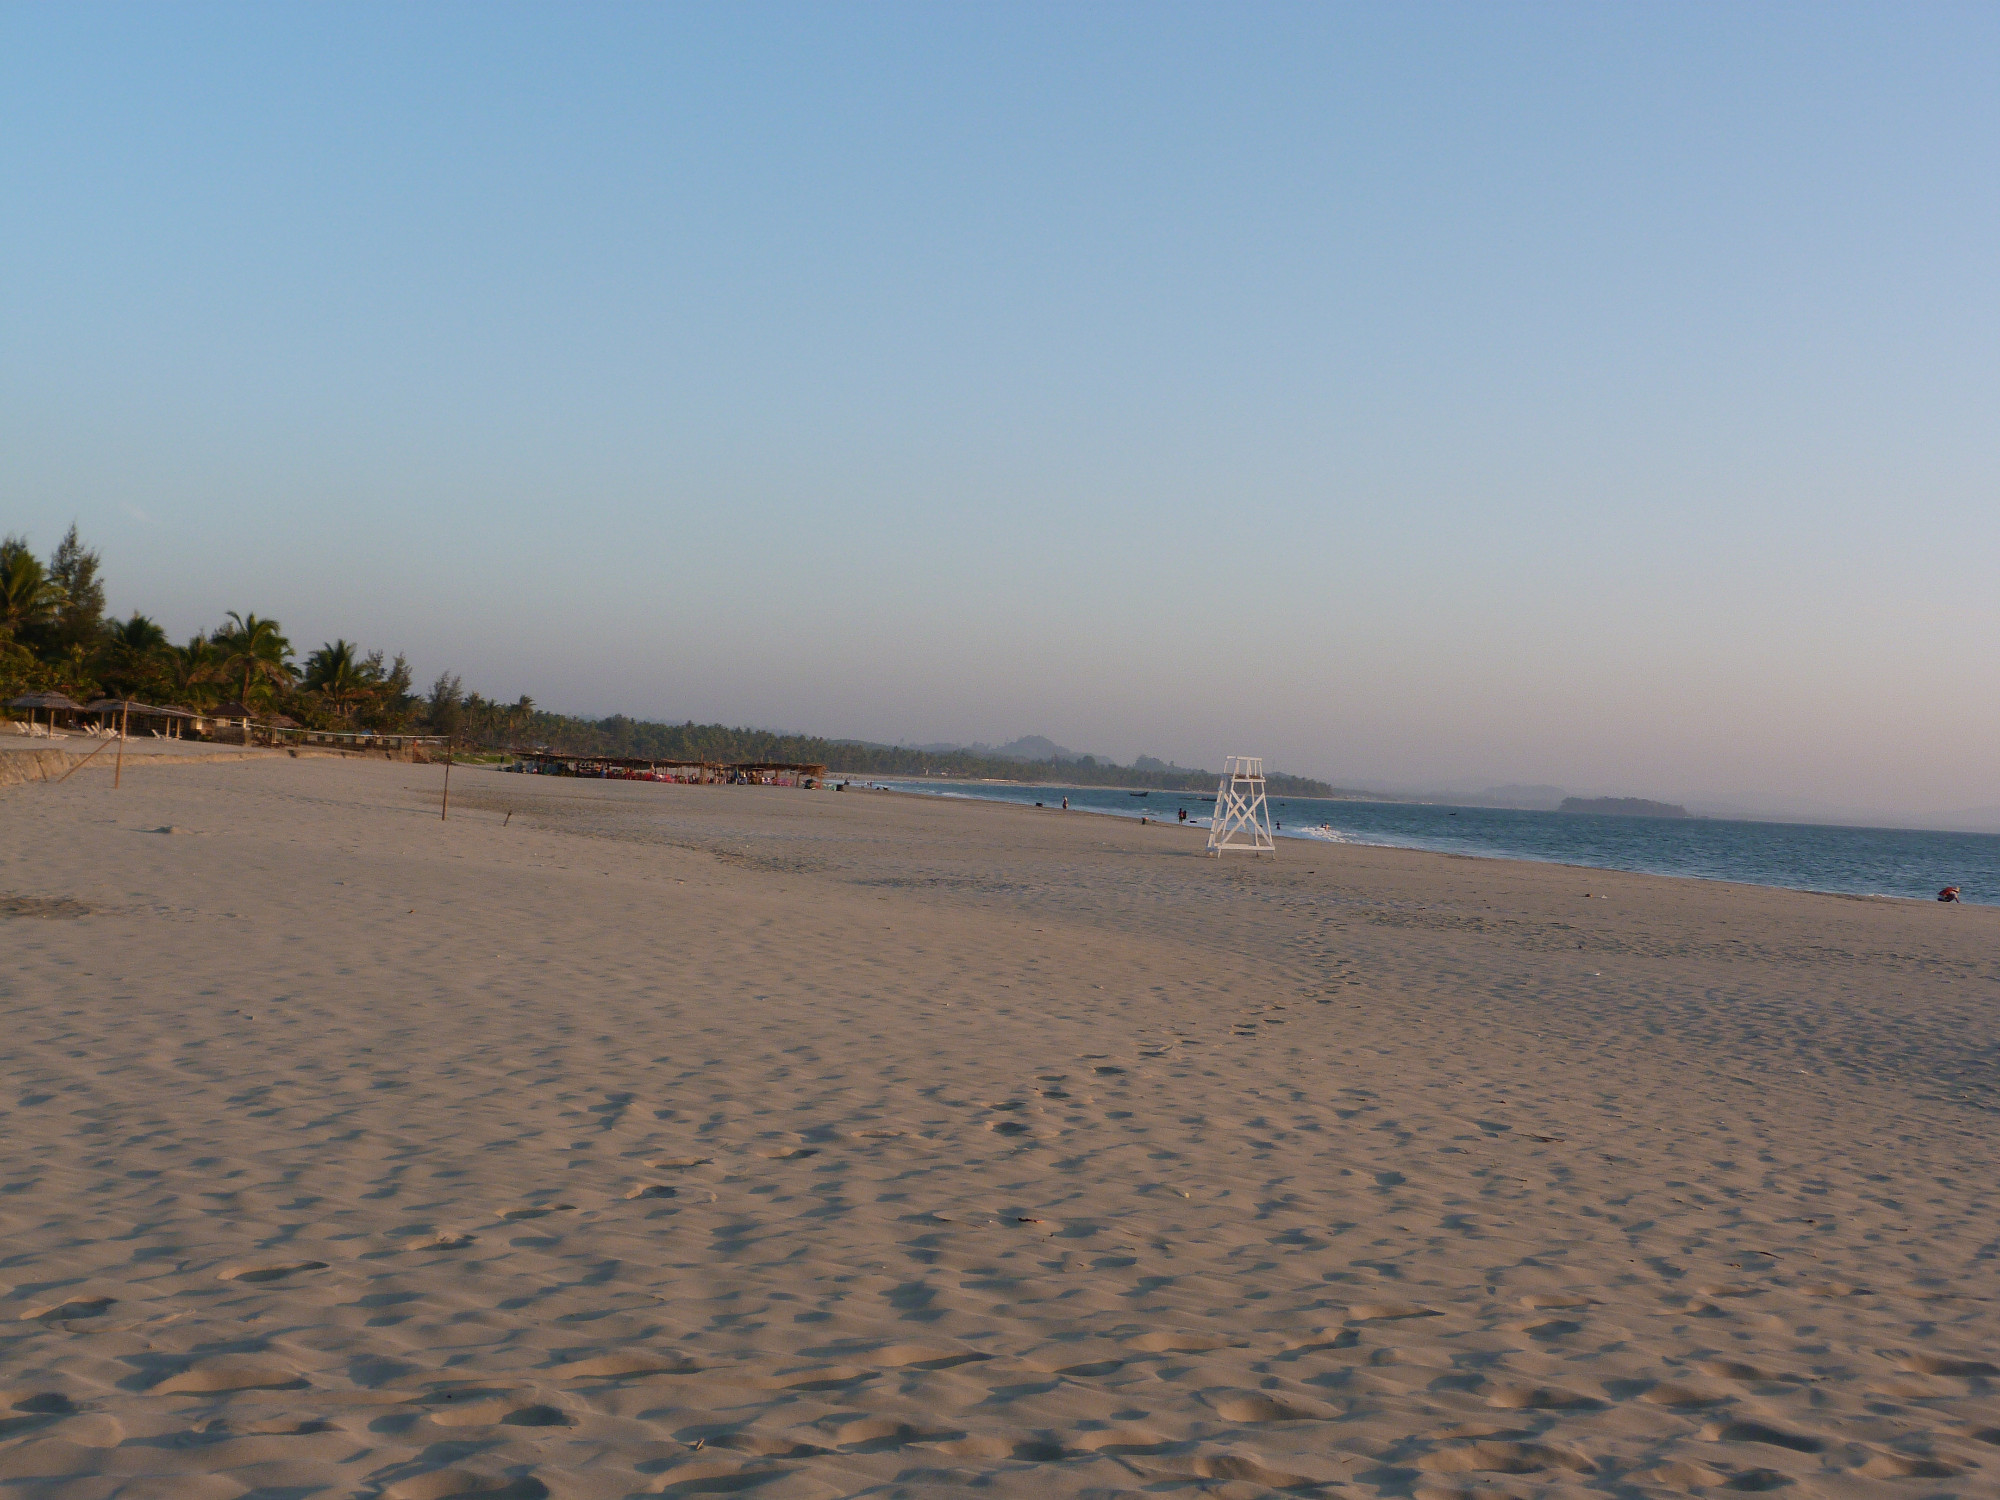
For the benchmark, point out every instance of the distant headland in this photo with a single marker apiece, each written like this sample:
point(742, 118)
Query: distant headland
point(1623, 807)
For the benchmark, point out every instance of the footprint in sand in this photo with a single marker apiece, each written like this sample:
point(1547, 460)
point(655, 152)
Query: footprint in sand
point(1540, 1301)
point(1759, 1432)
point(447, 1242)
point(882, 1435)
point(1248, 1468)
point(276, 1271)
point(824, 1378)
point(214, 1377)
point(792, 1153)
point(43, 1404)
point(502, 1413)
point(1539, 1398)
point(679, 1163)
point(1907, 1466)
point(764, 1446)
point(625, 1364)
point(1496, 1456)
point(1179, 1343)
point(1374, 1312)
point(1091, 1369)
point(1671, 1393)
point(32, 1411)
point(652, 1190)
point(465, 1484)
point(1258, 1407)
point(1122, 1440)
point(1730, 1369)
point(1548, 1328)
point(73, 1307)
point(1939, 1364)
point(1683, 1476)
point(924, 1357)
point(1007, 1127)
point(288, 1426)
point(517, 1215)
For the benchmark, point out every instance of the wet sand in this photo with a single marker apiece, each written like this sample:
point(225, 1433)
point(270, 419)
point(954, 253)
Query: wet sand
point(737, 1140)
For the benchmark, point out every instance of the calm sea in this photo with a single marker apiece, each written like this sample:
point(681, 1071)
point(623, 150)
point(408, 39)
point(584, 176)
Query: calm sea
point(1801, 856)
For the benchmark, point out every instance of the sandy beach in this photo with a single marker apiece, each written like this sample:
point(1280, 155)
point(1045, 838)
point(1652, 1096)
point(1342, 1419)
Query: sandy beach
point(615, 1139)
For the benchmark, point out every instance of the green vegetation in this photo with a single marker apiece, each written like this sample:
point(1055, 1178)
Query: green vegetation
point(53, 635)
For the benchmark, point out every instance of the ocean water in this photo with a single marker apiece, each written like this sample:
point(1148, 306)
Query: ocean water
point(1799, 856)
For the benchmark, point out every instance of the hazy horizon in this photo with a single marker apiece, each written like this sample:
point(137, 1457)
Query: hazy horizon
point(1417, 397)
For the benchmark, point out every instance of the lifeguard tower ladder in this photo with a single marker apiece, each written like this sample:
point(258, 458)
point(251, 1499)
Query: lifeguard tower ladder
point(1242, 821)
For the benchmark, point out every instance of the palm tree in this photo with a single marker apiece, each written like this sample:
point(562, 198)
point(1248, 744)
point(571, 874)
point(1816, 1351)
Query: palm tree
point(28, 596)
point(137, 636)
point(340, 676)
point(254, 652)
point(136, 653)
point(194, 670)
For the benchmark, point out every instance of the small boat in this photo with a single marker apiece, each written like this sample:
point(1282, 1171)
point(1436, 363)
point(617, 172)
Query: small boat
point(1138, 794)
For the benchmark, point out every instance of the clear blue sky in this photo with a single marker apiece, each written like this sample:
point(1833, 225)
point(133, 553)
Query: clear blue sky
point(1600, 395)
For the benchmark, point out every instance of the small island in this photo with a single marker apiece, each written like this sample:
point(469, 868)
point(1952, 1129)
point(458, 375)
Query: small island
point(1623, 807)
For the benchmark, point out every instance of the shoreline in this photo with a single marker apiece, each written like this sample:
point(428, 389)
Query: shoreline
point(1348, 840)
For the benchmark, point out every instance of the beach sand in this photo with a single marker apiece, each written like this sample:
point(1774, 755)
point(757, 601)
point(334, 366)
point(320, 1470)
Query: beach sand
point(722, 1140)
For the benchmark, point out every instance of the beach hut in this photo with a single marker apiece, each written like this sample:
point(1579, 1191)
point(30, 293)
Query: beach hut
point(124, 710)
point(242, 717)
point(120, 709)
point(54, 703)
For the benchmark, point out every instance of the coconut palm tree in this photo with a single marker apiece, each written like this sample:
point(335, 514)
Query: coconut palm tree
point(28, 596)
point(194, 672)
point(255, 653)
point(136, 655)
point(137, 636)
point(342, 678)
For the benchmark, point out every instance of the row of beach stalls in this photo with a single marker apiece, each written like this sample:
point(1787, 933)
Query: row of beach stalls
point(56, 714)
point(51, 714)
point(684, 772)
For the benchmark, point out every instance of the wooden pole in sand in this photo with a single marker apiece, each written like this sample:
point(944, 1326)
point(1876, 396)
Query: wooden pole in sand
point(118, 766)
point(75, 768)
point(445, 807)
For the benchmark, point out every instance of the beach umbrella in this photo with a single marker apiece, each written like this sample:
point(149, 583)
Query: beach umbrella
point(119, 706)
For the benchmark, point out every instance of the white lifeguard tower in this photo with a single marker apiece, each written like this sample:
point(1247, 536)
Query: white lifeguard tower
point(1242, 821)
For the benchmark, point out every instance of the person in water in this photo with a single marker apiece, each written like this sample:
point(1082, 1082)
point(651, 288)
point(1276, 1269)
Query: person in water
point(1949, 893)
point(1184, 815)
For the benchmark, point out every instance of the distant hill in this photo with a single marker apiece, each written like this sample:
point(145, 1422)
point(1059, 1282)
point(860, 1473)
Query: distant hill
point(1031, 747)
point(1623, 807)
point(504, 727)
point(1541, 798)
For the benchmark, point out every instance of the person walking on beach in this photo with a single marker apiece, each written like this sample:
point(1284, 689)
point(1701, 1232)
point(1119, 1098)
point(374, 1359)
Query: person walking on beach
point(1065, 804)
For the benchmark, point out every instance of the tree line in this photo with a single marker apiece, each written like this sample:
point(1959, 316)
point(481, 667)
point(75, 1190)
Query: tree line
point(55, 636)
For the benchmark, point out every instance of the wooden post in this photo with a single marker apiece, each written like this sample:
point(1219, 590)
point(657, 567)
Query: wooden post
point(445, 808)
point(118, 766)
